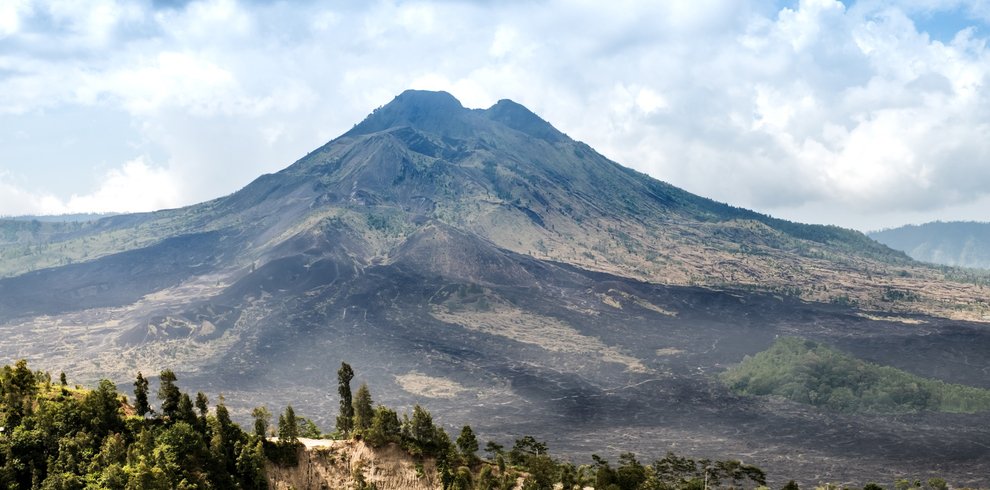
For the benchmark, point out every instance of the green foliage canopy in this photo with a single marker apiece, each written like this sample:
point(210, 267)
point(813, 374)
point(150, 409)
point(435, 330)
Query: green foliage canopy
point(815, 374)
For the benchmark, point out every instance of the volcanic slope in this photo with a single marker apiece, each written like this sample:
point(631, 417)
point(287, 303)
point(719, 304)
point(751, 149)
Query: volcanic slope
point(485, 264)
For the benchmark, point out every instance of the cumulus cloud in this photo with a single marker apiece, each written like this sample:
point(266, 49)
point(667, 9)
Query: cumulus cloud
point(820, 110)
point(135, 186)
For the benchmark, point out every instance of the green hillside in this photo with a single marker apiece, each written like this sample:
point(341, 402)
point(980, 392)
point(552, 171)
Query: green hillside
point(816, 374)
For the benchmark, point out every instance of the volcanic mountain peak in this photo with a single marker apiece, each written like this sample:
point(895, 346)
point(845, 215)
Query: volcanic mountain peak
point(419, 108)
point(443, 115)
point(518, 117)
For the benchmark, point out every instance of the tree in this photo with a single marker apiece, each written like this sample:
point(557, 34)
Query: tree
point(227, 436)
point(251, 467)
point(493, 449)
point(345, 421)
point(462, 479)
point(169, 394)
point(182, 453)
point(467, 444)
point(486, 479)
point(604, 474)
point(262, 419)
point(202, 404)
point(363, 411)
point(288, 429)
point(385, 427)
point(102, 409)
point(569, 476)
point(308, 428)
point(524, 448)
point(112, 451)
point(147, 477)
point(937, 484)
point(185, 411)
point(420, 430)
point(792, 485)
point(141, 405)
point(61, 379)
point(542, 470)
point(630, 473)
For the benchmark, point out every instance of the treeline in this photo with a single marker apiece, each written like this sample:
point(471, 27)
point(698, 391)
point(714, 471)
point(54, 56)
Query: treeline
point(813, 373)
point(53, 436)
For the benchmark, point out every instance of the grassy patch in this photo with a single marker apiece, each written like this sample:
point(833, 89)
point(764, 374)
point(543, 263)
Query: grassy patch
point(816, 374)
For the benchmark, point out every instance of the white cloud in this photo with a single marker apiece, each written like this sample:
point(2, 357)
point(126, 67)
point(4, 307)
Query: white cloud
point(174, 79)
point(850, 111)
point(134, 186)
point(10, 16)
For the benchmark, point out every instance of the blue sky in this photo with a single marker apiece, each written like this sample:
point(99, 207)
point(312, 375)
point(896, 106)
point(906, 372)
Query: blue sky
point(865, 114)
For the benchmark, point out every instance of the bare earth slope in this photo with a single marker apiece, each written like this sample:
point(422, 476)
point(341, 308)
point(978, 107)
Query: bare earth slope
point(332, 464)
point(488, 266)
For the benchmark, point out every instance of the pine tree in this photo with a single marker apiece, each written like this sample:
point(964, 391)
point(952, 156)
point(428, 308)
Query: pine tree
point(467, 444)
point(229, 435)
point(493, 448)
point(185, 411)
point(288, 428)
point(385, 427)
point(101, 409)
point(363, 411)
point(169, 394)
point(421, 431)
point(141, 405)
point(262, 419)
point(345, 421)
point(202, 404)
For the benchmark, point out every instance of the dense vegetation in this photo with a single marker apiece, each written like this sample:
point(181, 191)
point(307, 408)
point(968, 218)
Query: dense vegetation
point(58, 437)
point(812, 373)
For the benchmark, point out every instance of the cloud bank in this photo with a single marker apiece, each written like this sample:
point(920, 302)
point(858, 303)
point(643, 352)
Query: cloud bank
point(863, 114)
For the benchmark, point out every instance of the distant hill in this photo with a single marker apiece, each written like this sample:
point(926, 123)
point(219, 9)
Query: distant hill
point(956, 243)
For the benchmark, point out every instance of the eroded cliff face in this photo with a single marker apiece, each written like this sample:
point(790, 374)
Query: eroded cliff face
point(329, 464)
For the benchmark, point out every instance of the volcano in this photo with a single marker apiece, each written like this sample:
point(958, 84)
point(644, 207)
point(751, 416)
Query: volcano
point(486, 265)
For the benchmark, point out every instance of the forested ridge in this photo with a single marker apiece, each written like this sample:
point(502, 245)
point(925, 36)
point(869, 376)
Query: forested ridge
point(56, 436)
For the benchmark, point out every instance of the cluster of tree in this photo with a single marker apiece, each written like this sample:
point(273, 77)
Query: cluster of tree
point(674, 472)
point(56, 437)
point(812, 373)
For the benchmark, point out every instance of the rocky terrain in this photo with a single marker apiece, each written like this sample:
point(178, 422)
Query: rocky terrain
point(333, 464)
point(484, 264)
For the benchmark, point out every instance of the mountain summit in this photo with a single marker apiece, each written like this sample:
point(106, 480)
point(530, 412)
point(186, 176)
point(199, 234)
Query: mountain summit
point(486, 264)
point(434, 111)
